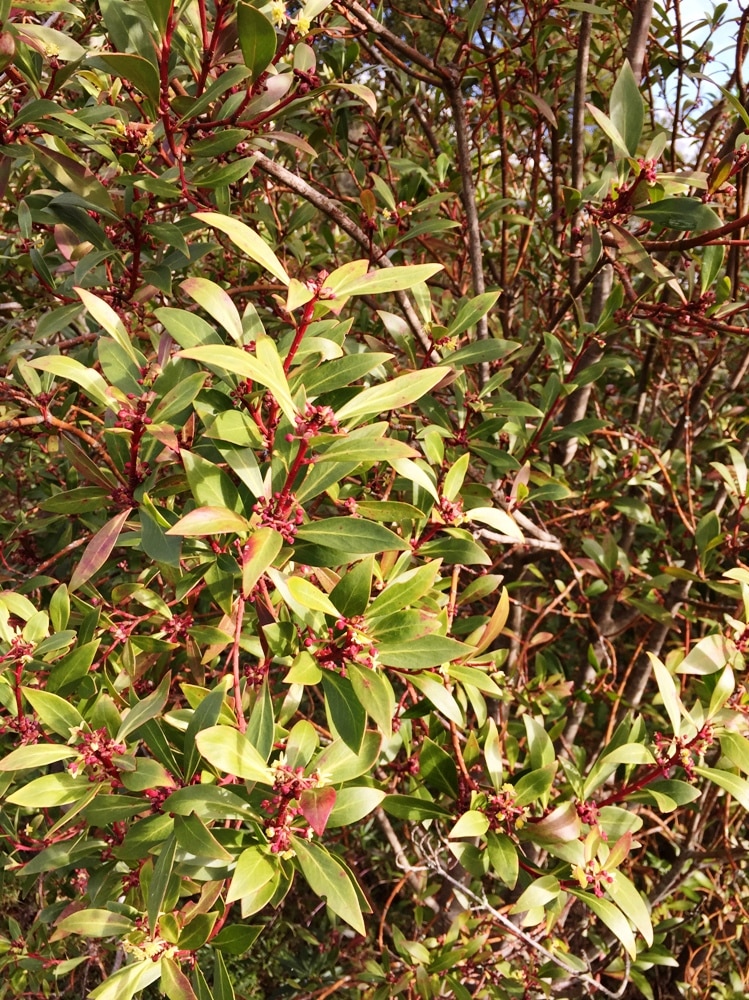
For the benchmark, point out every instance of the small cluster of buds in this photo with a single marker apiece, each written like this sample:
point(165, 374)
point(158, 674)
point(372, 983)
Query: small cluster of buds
point(134, 416)
point(312, 421)
point(648, 170)
point(284, 808)
point(503, 815)
point(19, 651)
point(96, 752)
point(451, 510)
point(345, 642)
point(158, 797)
point(681, 752)
point(591, 877)
point(282, 513)
point(28, 729)
point(176, 629)
point(588, 813)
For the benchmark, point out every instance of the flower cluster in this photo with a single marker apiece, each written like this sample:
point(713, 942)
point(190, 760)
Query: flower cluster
point(680, 751)
point(313, 420)
point(284, 808)
point(97, 750)
point(282, 513)
point(345, 642)
point(592, 876)
point(503, 815)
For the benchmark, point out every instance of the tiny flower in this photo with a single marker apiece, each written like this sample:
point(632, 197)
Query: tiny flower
point(278, 13)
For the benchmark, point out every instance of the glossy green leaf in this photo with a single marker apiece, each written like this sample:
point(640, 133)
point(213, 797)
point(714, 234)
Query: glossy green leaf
point(230, 751)
point(246, 239)
point(392, 395)
point(68, 369)
point(329, 879)
point(35, 755)
point(612, 917)
point(210, 521)
point(128, 981)
point(351, 536)
point(257, 38)
point(627, 108)
point(55, 713)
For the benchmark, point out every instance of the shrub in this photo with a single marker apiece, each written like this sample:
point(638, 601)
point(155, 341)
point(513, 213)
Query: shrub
point(374, 489)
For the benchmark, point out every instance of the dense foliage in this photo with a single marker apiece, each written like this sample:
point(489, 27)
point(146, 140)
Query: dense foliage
point(374, 494)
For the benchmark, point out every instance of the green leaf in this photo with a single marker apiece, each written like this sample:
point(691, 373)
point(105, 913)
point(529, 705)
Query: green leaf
point(254, 870)
point(54, 712)
point(627, 108)
point(709, 656)
point(351, 536)
point(412, 808)
point(338, 763)
point(503, 855)
point(209, 802)
point(471, 824)
point(210, 521)
point(50, 790)
point(405, 590)
point(213, 298)
point(108, 319)
point(126, 982)
point(386, 279)
point(247, 240)
point(498, 519)
point(142, 711)
point(230, 751)
point(669, 694)
point(375, 694)
point(438, 769)
point(352, 804)
point(471, 312)
point(630, 901)
point(345, 713)
point(204, 716)
point(612, 916)
point(35, 755)
point(162, 872)
point(430, 651)
point(736, 748)
point(329, 879)
point(244, 365)
point(140, 71)
point(174, 983)
point(540, 892)
point(392, 395)
point(71, 370)
point(682, 214)
point(257, 39)
point(732, 783)
point(209, 484)
point(95, 923)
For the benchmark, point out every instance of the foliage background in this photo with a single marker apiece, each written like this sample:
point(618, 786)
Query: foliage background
point(374, 494)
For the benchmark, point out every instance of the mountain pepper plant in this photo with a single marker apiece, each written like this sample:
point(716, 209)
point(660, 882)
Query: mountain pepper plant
point(373, 591)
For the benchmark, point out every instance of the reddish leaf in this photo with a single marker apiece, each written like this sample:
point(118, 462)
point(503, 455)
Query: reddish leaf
point(317, 805)
point(98, 549)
